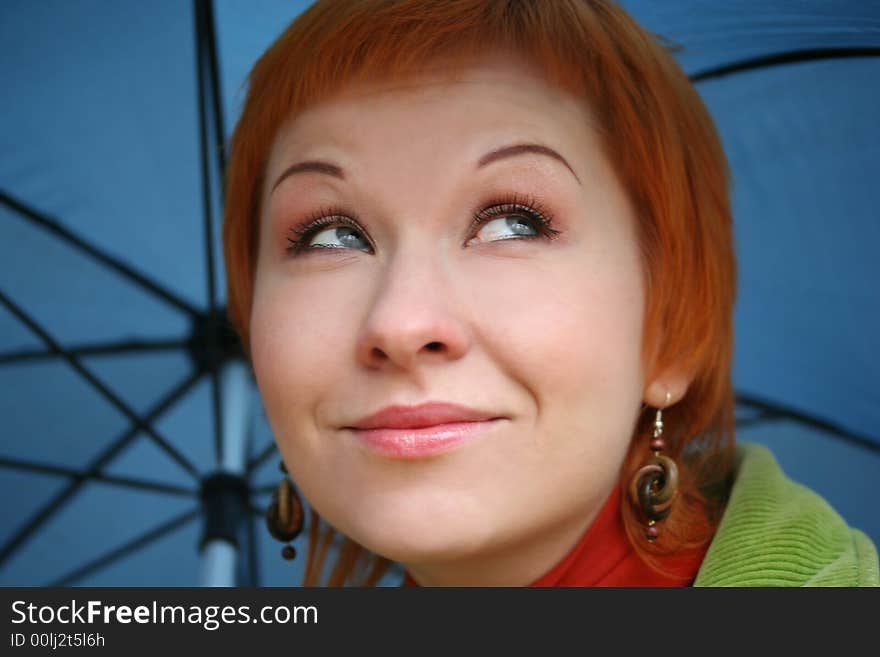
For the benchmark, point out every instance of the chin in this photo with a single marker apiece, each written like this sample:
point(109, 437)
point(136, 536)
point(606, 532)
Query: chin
point(414, 533)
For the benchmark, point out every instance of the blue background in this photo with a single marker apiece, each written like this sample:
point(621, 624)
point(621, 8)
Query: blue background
point(99, 130)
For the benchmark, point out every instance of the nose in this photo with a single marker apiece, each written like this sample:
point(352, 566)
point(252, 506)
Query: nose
point(414, 317)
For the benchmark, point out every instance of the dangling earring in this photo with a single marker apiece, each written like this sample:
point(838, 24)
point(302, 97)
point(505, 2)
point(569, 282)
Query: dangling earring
point(654, 486)
point(284, 517)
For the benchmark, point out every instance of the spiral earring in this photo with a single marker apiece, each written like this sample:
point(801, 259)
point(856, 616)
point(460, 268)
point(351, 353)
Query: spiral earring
point(654, 486)
point(284, 517)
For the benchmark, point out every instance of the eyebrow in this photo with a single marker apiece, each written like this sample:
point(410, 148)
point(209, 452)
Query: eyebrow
point(520, 149)
point(313, 166)
point(330, 169)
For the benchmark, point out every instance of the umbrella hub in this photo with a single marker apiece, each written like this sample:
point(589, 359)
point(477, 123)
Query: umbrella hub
point(213, 341)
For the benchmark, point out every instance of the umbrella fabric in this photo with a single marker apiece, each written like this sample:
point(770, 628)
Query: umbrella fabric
point(793, 89)
point(102, 242)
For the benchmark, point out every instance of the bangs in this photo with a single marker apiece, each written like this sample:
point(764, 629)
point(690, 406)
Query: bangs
point(337, 44)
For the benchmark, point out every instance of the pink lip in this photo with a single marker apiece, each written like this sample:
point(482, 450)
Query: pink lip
point(411, 432)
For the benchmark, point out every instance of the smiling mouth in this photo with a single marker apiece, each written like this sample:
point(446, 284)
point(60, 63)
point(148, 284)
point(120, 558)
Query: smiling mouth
point(422, 430)
point(422, 442)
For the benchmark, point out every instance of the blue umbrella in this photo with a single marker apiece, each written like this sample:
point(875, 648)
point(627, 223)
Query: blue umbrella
point(134, 446)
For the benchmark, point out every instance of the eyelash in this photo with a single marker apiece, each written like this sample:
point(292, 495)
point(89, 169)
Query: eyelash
point(304, 231)
point(515, 204)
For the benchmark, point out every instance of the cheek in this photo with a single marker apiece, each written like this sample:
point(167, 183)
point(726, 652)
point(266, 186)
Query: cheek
point(301, 341)
point(569, 332)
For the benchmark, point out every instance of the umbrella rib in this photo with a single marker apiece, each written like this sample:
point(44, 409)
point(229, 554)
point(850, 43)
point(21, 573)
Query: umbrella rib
point(758, 419)
point(96, 383)
point(773, 410)
point(791, 57)
point(57, 502)
point(213, 66)
point(260, 458)
point(263, 490)
point(120, 347)
point(128, 482)
point(123, 550)
point(211, 346)
point(98, 254)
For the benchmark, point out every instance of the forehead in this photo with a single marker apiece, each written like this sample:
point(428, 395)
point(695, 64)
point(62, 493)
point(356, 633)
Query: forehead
point(492, 99)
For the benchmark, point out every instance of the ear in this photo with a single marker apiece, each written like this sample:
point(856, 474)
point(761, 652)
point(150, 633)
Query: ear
point(675, 381)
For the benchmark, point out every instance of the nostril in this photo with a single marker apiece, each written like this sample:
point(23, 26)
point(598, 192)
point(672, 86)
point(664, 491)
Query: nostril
point(434, 346)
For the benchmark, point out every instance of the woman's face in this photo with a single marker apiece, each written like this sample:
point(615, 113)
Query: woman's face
point(431, 277)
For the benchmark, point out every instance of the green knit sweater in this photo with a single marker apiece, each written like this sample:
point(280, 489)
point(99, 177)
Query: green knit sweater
point(778, 533)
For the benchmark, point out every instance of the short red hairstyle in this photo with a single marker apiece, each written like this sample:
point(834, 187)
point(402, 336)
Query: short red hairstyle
point(660, 139)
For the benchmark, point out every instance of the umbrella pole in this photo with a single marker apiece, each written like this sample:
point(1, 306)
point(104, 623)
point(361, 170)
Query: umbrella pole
point(225, 493)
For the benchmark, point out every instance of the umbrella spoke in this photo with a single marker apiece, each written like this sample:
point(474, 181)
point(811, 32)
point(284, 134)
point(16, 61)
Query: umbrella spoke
point(121, 347)
point(98, 254)
point(96, 383)
point(57, 502)
point(207, 85)
point(209, 33)
point(761, 418)
point(766, 61)
point(773, 411)
point(263, 490)
point(127, 482)
point(118, 553)
point(260, 458)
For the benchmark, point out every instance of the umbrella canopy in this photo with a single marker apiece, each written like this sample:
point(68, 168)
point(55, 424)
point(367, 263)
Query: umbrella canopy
point(124, 394)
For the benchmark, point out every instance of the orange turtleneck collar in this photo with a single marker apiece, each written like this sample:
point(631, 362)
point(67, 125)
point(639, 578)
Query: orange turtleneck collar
point(605, 557)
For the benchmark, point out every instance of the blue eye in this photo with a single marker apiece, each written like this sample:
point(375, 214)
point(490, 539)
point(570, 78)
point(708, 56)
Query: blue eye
point(505, 228)
point(339, 232)
point(512, 220)
point(338, 237)
point(518, 218)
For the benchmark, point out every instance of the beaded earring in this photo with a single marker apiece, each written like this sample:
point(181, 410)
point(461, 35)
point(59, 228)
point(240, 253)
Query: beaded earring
point(654, 486)
point(284, 517)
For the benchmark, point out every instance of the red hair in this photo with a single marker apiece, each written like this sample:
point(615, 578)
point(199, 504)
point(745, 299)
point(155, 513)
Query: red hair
point(657, 134)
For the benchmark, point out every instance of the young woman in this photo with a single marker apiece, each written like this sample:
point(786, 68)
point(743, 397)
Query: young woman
point(479, 253)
